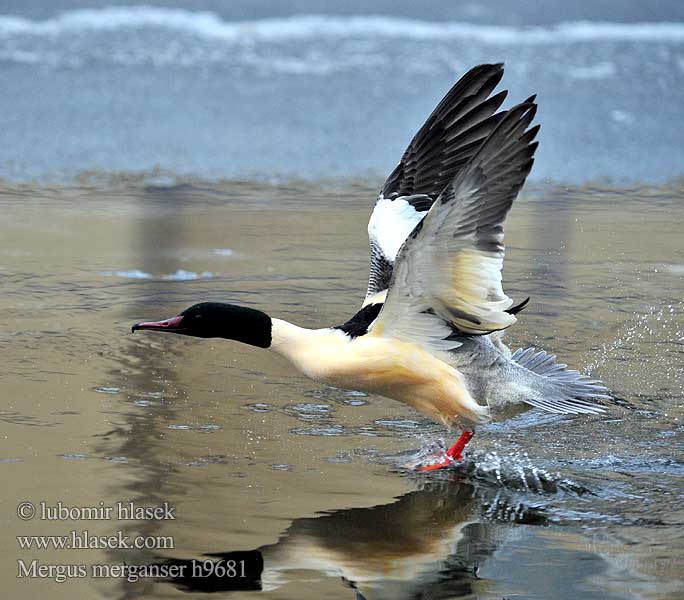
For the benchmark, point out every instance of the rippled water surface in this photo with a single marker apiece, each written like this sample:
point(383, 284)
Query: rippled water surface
point(253, 456)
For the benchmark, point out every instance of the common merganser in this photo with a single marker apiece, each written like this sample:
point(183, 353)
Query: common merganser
point(429, 332)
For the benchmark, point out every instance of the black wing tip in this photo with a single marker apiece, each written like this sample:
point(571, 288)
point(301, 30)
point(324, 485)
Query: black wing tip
point(505, 156)
point(481, 77)
point(494, 67)
point(514, 310)
point(525, 110)
point(498, 98)
point(517, 123)
point(444, 126)
point(526, 169)
point(533, 131)
point(492, 73)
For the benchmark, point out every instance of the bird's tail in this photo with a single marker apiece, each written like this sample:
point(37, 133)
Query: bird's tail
point(559, 389)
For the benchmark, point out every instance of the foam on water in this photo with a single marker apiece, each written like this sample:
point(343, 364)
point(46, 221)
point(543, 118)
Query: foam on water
point(140, 35)
point(129, 274)
point(197, 95)
point(210, 25)
point(179, 275)
point(223, 251)
point(183, 275)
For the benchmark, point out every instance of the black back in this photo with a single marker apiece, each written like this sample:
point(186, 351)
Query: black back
point(358, 325)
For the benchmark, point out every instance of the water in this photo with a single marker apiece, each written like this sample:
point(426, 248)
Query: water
point(252, 456)
point(157, 155)
point(301, 90)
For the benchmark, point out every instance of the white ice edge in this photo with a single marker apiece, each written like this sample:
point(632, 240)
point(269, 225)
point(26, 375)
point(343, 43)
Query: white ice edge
point(210, 25)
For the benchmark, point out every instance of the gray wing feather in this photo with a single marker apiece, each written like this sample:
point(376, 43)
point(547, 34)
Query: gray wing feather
point(450, 137)
point(560, 390)
point(450, 265)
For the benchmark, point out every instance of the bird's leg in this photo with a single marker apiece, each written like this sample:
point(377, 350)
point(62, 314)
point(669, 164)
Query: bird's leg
point(455, 452)
point(452, 454)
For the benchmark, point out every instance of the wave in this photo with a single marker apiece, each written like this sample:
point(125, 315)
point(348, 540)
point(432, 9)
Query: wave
point(210, 25)
point(179, 275)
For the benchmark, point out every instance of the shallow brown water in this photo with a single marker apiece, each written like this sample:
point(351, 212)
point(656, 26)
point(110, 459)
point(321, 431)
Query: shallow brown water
point(252, 456)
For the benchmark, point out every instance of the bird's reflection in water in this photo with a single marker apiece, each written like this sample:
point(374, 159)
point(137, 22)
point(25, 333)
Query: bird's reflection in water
point(428, 543)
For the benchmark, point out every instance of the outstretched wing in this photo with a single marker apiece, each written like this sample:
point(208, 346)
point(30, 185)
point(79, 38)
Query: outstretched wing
point(447, 276)
point(447, 141)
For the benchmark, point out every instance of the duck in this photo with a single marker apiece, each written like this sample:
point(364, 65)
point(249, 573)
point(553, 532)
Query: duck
point(429, 332)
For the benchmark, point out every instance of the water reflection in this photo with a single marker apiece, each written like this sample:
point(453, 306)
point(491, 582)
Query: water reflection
point(427, 543)
point(232, 437)
point(148, 378)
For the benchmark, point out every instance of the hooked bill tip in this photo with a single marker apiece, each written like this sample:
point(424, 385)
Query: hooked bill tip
point(165, 325)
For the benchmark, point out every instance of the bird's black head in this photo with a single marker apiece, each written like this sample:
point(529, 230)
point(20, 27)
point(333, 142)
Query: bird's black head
point(215, 319)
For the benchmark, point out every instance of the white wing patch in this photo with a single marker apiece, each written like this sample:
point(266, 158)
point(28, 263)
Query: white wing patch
point(377, 298)
point(390, 224)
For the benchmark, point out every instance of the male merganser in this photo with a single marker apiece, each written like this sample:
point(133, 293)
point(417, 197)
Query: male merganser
point(429, 332)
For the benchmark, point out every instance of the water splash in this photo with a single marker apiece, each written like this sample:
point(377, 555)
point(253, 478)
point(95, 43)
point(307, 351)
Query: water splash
point(512, 471)
point(518, 471)
point(647, 353)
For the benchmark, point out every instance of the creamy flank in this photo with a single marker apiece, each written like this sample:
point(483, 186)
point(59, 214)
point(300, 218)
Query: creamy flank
point(387, 366)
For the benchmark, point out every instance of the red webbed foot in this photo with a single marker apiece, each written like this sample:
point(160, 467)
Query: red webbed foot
point(453, 454)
